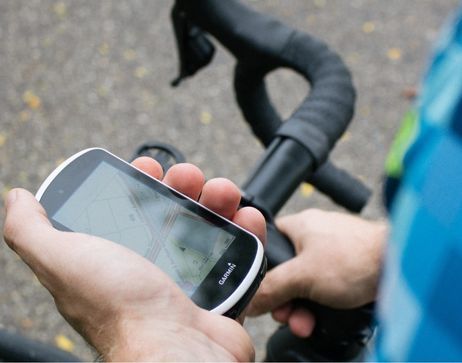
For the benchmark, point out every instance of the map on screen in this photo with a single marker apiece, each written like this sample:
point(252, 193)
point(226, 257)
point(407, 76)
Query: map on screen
point(114, 205)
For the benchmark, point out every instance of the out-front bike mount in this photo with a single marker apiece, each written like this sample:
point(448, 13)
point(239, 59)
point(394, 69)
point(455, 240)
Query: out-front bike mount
point(296, 150)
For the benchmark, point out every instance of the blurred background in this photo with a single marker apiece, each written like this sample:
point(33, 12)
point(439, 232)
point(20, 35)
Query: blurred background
point(76, 74)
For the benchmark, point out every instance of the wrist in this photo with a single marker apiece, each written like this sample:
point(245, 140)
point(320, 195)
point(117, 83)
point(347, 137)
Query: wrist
point(163, 340)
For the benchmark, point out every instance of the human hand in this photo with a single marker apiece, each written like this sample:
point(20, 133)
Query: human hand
point(121, 303)
point(338, 261)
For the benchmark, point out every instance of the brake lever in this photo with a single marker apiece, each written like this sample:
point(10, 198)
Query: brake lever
point(195, 50)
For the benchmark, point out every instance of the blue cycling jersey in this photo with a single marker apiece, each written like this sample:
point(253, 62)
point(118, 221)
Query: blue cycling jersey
point(420, 310)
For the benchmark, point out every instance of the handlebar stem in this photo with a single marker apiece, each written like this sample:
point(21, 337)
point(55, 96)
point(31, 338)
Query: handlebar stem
point(285, 161)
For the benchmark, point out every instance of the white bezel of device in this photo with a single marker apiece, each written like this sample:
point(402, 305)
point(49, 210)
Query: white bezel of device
point(248, 280)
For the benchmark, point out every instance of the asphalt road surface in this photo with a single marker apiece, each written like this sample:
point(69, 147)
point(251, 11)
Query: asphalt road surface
point(76, 74)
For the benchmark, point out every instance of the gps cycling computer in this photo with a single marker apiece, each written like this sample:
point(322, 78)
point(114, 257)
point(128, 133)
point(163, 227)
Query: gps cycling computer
point(215, 262)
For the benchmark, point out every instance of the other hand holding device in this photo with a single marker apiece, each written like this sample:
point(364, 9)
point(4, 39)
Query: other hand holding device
point(337, 264)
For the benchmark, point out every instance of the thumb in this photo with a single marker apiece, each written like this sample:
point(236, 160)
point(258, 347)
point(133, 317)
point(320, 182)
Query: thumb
point(282, 284)
point(27, 228)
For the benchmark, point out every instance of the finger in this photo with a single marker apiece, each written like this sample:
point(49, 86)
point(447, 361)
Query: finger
point(149, 166)
point(186, 178)
point(29, 239)
point(301, 322)
point(251, 220)
point(282, 313)
point(221, 196)
point(282, 284)
point(291, 226)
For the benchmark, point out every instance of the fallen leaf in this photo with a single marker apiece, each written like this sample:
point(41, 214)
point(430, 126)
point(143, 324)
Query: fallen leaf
point(206, 117)
point(60, 9)
point(140, 72)
point(394, 54)
point(103, 49)
point(306, 189)
point(368, 27)
point(64, 343)
point(31, 100)
point(2, 139)
point(346, 136)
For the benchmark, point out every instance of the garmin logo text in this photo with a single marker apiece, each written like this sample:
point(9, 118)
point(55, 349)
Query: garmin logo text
point(228, 272)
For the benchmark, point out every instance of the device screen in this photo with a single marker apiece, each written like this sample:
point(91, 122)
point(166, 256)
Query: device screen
point(116, 206)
